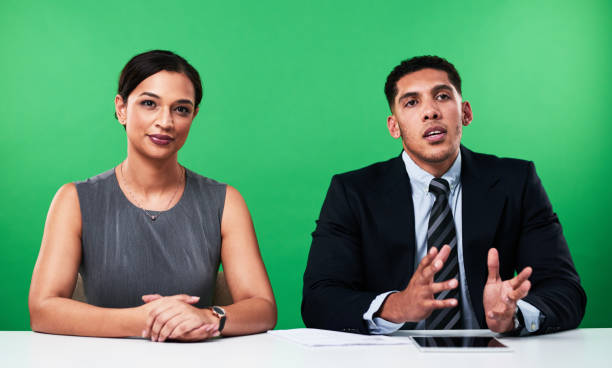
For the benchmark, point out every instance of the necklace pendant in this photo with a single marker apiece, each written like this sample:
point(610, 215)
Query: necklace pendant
point(153, 217)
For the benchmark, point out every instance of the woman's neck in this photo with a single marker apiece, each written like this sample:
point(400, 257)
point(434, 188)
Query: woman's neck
point(151, 176)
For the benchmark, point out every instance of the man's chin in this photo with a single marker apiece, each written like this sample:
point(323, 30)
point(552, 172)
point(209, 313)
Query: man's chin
point(440, 156)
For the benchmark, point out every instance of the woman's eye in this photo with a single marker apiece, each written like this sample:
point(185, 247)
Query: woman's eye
point(147, 103)
point(183, 110)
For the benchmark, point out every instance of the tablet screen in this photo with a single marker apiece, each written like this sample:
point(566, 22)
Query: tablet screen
point(458, 343)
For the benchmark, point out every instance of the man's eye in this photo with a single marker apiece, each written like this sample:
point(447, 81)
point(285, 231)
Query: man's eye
point(443, 96)
point(147, 103)
point(410, 103)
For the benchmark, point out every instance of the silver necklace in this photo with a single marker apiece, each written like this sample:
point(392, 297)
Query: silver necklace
point(139, 205)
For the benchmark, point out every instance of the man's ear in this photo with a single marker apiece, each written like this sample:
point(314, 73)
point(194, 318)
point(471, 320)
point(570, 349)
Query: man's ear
point(466, 110)
point(393, 126)
point(120, 109)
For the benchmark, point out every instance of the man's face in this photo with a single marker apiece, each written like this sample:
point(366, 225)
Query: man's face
point(428, 114)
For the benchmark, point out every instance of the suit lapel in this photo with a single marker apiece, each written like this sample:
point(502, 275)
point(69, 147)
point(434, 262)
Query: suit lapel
point(482, 203)
point(396, 201)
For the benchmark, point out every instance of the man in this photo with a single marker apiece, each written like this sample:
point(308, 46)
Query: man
point(432, 239)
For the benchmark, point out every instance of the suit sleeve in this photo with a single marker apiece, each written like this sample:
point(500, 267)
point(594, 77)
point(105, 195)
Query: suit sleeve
point(333, 295)
point(556, 289)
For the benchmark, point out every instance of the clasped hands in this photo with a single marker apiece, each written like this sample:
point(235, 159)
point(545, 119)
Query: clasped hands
point(417, 300)
point(175, 317)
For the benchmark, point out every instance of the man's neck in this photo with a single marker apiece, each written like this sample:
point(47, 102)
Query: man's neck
point(437, 169)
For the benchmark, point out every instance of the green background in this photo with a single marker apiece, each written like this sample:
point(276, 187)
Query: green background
point(293, 93)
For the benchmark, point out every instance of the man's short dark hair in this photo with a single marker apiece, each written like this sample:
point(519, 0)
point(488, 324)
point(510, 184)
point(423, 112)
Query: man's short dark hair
point(414, 65)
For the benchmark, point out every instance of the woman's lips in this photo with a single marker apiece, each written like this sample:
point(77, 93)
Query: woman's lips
point(160, 139)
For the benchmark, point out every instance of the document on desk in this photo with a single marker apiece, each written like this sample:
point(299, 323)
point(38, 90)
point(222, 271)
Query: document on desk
point(316, 337)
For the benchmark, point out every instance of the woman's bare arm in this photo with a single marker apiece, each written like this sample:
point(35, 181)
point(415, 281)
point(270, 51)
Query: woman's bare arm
point(51, 308)
point(254, 308)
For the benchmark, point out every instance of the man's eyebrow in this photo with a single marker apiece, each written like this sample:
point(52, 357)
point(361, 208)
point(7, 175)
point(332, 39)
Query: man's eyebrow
point(441, 87)
point(183, 101)
point(407, 94)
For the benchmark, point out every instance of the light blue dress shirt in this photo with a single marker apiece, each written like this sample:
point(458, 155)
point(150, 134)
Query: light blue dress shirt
point(423, 201)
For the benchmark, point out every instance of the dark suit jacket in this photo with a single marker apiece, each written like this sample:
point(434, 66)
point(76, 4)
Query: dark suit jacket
point(364, 242)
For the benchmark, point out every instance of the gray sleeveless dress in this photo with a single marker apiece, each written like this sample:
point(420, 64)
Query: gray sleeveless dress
point(126, 254)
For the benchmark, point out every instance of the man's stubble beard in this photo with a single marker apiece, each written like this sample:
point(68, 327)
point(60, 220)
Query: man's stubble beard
point(435, 157)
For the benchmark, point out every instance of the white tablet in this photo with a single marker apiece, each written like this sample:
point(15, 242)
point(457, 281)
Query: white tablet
point(455, 344)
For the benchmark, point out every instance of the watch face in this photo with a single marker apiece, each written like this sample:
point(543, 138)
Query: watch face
point(221, 314)
point(219, 311)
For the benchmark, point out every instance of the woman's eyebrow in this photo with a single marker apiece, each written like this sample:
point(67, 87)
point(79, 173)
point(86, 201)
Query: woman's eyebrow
point(151, 94)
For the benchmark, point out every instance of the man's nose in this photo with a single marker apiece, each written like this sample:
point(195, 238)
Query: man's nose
point(431, 112)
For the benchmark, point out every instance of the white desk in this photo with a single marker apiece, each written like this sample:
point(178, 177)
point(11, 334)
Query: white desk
point(576, 349)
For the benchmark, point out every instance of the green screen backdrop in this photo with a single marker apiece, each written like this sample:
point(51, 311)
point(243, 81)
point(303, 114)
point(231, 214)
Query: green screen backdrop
point(293, 93)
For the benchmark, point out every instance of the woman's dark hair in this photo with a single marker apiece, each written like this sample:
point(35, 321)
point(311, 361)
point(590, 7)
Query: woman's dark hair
point(144, 65)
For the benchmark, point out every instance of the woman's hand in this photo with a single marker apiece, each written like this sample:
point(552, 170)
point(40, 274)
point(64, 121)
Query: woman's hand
point(174, 317)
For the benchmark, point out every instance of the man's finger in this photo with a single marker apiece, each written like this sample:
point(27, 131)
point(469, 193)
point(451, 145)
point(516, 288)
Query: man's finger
point(439, 304)
point(518, 280)
point(493, 265)
point(422, 272)
point(426, 261)
point(436, 265)
point(521, 291)
point(444, 253)
point(442, 286)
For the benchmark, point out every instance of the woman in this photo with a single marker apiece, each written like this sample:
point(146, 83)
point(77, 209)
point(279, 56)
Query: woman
point(148, 235)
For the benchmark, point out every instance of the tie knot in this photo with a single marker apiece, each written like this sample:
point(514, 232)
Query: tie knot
point(439, 186)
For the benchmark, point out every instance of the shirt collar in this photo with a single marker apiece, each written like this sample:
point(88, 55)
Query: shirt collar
point(420, 179)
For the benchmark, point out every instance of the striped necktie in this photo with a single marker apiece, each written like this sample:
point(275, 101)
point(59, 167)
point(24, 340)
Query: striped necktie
point(441, 231)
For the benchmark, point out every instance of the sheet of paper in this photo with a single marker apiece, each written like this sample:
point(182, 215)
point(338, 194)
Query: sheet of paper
point(315, 337)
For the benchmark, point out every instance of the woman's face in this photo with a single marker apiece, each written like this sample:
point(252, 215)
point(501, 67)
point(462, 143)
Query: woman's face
point(158, 114)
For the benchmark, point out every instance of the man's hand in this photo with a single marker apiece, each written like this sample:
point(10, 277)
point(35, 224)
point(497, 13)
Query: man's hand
point(174, 317)
point(417, 300)
point(500, 297)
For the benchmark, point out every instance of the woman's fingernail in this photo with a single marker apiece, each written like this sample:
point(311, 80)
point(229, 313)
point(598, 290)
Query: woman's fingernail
point(144, 333)
point(216, 333)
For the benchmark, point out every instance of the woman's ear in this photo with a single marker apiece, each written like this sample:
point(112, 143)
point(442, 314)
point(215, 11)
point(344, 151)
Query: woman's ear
point(120, 109)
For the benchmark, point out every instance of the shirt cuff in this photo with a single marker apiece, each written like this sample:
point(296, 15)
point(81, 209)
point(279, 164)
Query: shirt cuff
point(531, 315)
point(377, 325)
